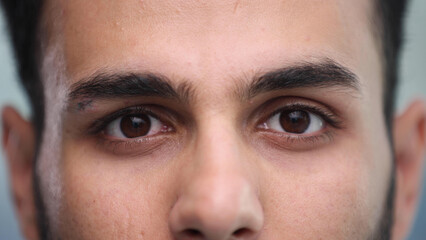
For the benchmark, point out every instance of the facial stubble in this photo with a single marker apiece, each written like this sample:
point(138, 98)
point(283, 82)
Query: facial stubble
point(381, 232)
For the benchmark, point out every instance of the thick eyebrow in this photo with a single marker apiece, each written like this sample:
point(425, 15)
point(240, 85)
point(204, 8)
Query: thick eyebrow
point(106, 86)
point(326, 74)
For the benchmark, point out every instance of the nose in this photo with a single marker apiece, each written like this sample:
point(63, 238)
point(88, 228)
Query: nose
point(217, 200)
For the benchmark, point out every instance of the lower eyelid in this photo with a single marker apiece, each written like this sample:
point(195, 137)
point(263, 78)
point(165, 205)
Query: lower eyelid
point(294, 142)
point(132, 147)
point(160, 135)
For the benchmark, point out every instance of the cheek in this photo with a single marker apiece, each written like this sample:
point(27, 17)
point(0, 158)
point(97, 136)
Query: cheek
point(321, 195)
point(104, 199)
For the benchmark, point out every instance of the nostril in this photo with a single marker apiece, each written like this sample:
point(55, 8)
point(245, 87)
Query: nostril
point(192, 233)
point(242, 233)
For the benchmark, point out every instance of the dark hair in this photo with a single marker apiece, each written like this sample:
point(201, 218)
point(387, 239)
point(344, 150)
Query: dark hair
point(391, 16)
point(24, 17)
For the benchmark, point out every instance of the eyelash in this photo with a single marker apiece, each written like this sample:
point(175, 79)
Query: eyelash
point(116, 146)
point(291, 141)
point(294, 138)
point(329, 117)
point(99, 126)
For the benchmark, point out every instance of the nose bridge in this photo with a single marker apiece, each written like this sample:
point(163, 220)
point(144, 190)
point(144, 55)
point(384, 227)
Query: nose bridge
point(218, 199)
point(219, 181)
point(217, 143)
point(217, 150)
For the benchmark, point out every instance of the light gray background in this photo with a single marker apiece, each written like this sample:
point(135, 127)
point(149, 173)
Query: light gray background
point(413, 85)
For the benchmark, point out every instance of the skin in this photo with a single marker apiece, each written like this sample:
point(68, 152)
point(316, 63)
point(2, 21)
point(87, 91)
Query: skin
point(217, 175)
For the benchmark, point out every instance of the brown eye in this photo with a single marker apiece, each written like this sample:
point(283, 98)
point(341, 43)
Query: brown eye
point(135, 125)
point(294, 121)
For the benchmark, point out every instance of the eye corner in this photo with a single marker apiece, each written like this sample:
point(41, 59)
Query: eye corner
point(306, 134)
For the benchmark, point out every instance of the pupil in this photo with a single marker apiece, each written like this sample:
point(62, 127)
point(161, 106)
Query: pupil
point(295, 121)
point(133, 126)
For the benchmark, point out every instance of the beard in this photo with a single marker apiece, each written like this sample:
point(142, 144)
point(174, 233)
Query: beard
point(381, 232)
point(42, 219)
point(384, 227)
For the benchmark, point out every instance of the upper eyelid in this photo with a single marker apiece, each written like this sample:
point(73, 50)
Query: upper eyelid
point(103, 122)
point(329, 116)
point(283, 101)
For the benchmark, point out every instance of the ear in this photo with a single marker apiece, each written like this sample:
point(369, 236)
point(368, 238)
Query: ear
point(18, 144)
point(410, 144)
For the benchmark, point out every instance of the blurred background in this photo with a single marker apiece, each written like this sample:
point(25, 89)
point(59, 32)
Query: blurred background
point(413, 85)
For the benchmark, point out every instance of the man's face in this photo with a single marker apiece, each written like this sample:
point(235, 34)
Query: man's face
point(214, 119)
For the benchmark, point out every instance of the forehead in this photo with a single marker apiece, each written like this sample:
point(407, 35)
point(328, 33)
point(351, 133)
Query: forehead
point(214, 39)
